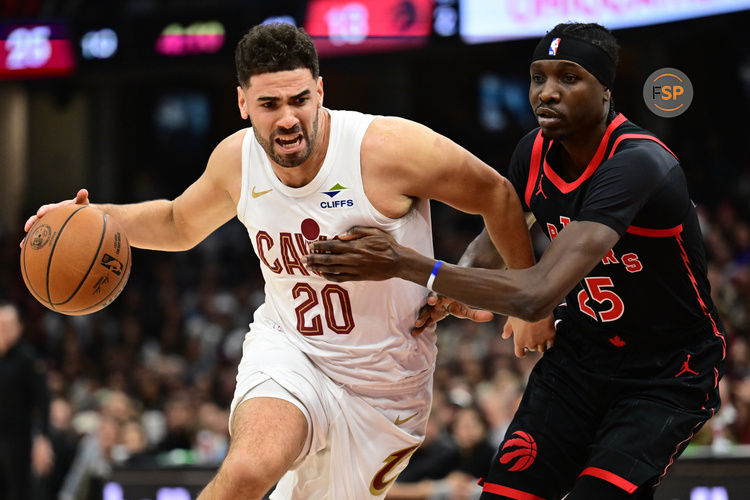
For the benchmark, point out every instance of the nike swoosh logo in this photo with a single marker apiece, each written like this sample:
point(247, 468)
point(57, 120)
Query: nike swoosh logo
point(260, 193)
point(399, 421)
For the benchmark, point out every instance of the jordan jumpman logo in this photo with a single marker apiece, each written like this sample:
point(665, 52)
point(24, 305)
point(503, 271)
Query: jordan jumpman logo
point(539, 189)
point(685, 368)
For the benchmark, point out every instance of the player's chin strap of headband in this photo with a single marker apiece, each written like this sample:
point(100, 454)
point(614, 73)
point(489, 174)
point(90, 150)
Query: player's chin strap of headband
point(591, 57)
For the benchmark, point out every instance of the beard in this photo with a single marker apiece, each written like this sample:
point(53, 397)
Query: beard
point(296, 159)
point(555, 135)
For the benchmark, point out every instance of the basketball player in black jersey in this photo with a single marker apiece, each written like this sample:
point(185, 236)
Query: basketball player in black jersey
point(639, 348)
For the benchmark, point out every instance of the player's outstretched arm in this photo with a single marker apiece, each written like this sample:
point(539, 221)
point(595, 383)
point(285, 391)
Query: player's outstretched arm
point(181, 223)
point(529, 294)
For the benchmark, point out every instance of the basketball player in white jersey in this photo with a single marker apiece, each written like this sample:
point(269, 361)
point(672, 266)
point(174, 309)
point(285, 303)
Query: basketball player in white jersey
point(333, 392)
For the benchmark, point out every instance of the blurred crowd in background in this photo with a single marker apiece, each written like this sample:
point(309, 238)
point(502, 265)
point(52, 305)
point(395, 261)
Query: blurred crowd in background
point(148, 381)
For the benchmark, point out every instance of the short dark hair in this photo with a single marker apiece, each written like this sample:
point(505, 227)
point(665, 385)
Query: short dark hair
point(595, 34)
point(268, 48)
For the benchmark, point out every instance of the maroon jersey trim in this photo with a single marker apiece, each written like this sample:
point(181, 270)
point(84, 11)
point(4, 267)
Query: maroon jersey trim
point(610, 477)
point(567, 187)
point(655, 233)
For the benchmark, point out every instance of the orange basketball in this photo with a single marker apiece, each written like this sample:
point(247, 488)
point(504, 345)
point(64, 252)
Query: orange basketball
point(75, 259)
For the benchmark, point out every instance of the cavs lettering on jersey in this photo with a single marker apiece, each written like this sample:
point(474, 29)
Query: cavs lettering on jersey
point(651, 288)
point(357, 333)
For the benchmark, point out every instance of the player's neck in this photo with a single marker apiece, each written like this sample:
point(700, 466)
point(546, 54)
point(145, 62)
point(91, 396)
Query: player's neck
point(578, 150)
point(302, 174)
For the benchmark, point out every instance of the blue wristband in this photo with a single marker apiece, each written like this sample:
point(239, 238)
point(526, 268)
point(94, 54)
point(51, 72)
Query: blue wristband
point(433, 274)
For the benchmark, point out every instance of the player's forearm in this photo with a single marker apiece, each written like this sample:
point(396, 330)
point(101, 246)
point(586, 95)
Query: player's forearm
point(506, 226)
point(510, 292)
point(481, 252)
point(529, 294)
point(150, 225)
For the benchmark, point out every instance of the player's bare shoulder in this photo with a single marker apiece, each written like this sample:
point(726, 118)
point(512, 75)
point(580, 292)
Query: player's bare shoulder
point(384, 158)
point(386, 140)
point(225, 164)
point(381, 130)
point(399, 145)
point(402, 160)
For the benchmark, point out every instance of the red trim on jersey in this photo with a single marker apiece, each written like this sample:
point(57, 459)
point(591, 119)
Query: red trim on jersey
point(716, 384)
point(509, 492)
point(676, 449)
point(704, 308)
point(610, 477)
point(639, 136)
point(536, 157)
point(655, 233)
point(567, 187)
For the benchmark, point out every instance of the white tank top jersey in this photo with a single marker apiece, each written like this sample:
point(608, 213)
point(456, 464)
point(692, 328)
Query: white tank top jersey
point(358, 333)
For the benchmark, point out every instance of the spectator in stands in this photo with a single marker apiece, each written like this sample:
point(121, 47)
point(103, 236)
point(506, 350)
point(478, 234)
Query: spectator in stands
point(24, 410)
point(93, 459)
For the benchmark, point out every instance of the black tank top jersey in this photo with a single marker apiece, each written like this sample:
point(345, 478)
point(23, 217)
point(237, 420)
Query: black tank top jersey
point(651, 290)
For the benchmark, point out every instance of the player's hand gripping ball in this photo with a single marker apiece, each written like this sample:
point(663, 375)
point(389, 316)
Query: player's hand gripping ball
point(76, 259)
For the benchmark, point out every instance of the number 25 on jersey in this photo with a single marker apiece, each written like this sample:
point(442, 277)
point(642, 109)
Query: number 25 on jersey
point(599, 288)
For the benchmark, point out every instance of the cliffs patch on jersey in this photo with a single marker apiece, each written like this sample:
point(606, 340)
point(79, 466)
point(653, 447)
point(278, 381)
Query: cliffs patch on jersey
point(338, 203)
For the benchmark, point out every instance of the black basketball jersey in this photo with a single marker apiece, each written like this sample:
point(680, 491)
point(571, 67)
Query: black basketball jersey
point(651, 289)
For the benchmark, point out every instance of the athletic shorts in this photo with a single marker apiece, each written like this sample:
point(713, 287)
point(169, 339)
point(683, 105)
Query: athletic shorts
point(355, 449)
point(624, 422)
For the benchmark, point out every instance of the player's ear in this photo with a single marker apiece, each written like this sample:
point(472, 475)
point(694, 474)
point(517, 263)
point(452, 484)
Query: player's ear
point(241, 102)
point(320, 92)
point(607, 94)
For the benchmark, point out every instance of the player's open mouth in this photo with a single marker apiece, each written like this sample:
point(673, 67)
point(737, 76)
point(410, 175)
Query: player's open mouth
point(290, 145)
point(547, 116)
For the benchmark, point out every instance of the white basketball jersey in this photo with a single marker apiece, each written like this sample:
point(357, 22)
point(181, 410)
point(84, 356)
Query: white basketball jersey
point(358, 333)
